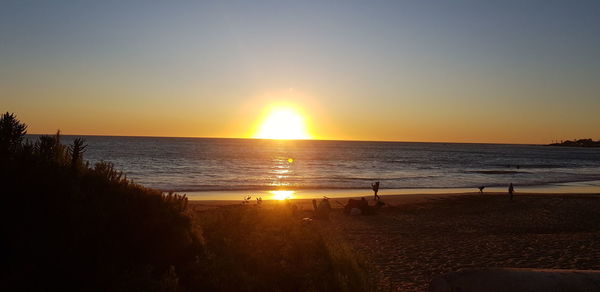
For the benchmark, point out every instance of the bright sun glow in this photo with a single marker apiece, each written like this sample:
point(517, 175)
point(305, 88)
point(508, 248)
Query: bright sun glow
point(282, 195)
point(283, 123)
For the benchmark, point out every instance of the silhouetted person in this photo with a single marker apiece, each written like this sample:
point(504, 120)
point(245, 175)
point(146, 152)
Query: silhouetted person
point(511, 190)
point(375, 187)
point(481, 189)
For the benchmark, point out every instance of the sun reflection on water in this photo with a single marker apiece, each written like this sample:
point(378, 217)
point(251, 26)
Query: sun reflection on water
point(281, 171)
point(282, 195)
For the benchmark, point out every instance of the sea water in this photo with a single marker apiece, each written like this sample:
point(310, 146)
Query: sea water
point(235, 166)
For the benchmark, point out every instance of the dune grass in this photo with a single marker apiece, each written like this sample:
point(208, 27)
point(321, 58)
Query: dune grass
point(271, 248)
point(71, 226)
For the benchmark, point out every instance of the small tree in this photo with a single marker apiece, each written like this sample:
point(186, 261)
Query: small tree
point(12, 132)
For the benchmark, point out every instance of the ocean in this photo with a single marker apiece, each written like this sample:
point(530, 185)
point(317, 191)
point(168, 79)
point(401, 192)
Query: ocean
point(235, 166)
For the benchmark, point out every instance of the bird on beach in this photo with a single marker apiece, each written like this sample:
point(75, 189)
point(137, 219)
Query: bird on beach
point(481, 189)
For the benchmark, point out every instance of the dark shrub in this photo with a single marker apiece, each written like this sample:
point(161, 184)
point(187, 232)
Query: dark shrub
point(11, 134)
point(69, 226)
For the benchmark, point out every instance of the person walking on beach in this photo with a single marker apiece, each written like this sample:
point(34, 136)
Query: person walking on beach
point(511, 190)
point(375, 187)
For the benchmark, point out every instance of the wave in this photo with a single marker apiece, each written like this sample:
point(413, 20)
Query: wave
point(194, 165)
point(496, 171)
point(254, 188)
point(380, 178)
point(518, 166)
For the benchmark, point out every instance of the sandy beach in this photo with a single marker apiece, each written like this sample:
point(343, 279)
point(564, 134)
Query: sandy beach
point(417, 237)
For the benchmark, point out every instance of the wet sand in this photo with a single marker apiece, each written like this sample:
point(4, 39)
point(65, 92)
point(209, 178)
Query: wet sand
point(417, 237)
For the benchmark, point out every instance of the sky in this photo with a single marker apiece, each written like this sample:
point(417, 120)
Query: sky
point(447, 71)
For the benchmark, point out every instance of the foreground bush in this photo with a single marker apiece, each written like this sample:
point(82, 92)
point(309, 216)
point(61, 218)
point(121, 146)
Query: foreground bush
point(271, 249)
point(71, 226)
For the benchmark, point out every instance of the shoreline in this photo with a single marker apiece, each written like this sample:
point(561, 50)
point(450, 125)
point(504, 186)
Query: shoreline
point(584, 187)
point(392, 200)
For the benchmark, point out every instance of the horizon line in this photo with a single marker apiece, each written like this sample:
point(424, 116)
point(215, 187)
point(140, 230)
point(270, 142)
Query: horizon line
point(311, 139)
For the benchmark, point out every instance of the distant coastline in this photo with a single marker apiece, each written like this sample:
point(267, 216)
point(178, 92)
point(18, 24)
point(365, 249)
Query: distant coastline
point(578, 143)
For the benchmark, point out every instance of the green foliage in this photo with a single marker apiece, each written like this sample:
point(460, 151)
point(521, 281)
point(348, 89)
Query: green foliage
point(74, 227)
point(11, 134)
point(69, 226)
point(50, 150)
point(76, 151)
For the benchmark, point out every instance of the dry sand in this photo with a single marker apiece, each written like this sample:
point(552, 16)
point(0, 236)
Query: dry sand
point(418, 237)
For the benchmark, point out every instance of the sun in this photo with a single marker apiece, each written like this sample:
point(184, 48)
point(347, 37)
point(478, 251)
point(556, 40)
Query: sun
point(283, 123)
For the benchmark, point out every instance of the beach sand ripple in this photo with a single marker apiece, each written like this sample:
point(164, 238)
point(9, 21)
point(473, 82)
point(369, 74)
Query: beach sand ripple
point(413, 241)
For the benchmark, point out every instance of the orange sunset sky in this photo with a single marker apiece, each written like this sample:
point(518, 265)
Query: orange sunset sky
point(458, 71)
